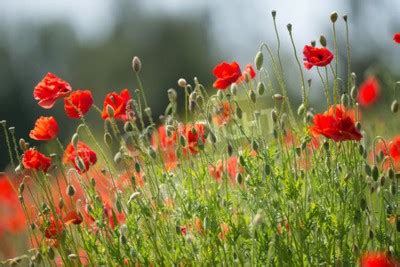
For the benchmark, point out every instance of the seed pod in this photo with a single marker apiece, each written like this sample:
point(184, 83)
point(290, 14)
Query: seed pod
point(309, 116)
point(322, 40)
point(200, 144)
point(371, 234)
point(136, 64)
point(50, 253)
point(395, 106)
point(93, 182)
point(334, 17)
point(220, 94)
point(253, 96)
point(259, 60)
point(301, 110)
point(375, 173)
point(260, 88)
point(70, 190)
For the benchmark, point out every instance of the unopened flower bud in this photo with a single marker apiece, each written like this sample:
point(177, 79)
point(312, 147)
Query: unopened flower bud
point(334, 17)
point(277, 97)
point(234, 89)
point(322, 40)
point(358, 125)
point(274, 116)
point(182, 140)
point(61, 203)
point(313, 43)
point(147, 111)
point(301, 110)
point(151, 152)
point(345, 100)
point(213, 138)
point(273, 13)
point(253, 96)
point(136, 64)
point(239, 178)
point(375, 173)
point(70, 190)
point(128, 127)
point(260, 88)
point(289, 27)
point(395, 106)
point(230, 150)
point(259, 60)
point(117, 157)
point(182, 82)
point(220, 94)
point(254, 145)
point(345, 18)
point(239, 112)
point(172, 95)
point(81, 165)
point(22, 144)
point(110, 111)
point(107, 139)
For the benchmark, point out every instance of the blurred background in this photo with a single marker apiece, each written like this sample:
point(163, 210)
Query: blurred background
point(91, 43)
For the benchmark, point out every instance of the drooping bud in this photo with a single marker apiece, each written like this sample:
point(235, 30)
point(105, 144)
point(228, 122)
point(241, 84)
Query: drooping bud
point(375, 173)
point(301, 110)
point(136, 64)
point(277, 97)
point(182, 83)
point(334, 17)
point(148, 111)
point(345, 100)
point(259, 60)
point(172, 95)
point(322, 40)
point(234, 89)
point(22, 144)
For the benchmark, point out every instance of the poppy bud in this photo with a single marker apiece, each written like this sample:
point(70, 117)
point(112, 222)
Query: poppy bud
point(128, 127)
point(395, 106)
point(322, 40)
point(182, 140)
point(213, 138)
point(363, 204)
point(301, 110)
point(254, 145)
point(172, 95)
point(234, 89)
point(11, 129)
point(303, 145)
point(81, 165)
point(137, 167)
point(358, 125)
point(22, 144)
point(107, 139)
point(72, 256)
point(393, 189)
point(345, 100)
point(230, 150)
point(21, 188)
point(136, 64)
point(382, 180)
point(275, 134)
point(74, 140)
point(277, 97)
point(391, 173)
point(151, 152)
point(371, 234)
point(148, 111)
point(50, 253)
point(289, 27)
point(361, 149)
point(273, 13)
point(334, 17)
point(182, 82)
point(345, 18)
point(353, 93)
point(239, 178)
point(260, 88)
point(242, 161)
point(61, 203)
point(117, 157)
point(70, 190)
point(220, 94)
point(110, 111)
point(239, 112)
point(326, 145)
point(259, 60)
point(200, 144)
point(252, 96)
point(274, 116)
point(313, 43)
point(267, 169)
point(375, 173)
point(93, 182)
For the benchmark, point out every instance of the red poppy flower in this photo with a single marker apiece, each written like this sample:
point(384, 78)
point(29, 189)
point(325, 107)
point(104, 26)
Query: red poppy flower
point(248, 71)
point(12, 217)
point(396, 37)
point(83, 152)
point(118, 103)
point(34, 160)
point(216, 171)
point(223, 114)
point(226, 74)
point(46, 128)
point(233, 168)
point(55, 228)
point(336, 124)
point(193, 135)
point(394, 148)
point(78, 103)
point(377, 259)
point(315, 56)
point(73, 217)
point(166, 143)
point(369, 92)
point(49, 89)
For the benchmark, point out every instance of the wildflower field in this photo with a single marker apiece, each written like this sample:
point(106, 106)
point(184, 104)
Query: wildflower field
point(240, 177)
